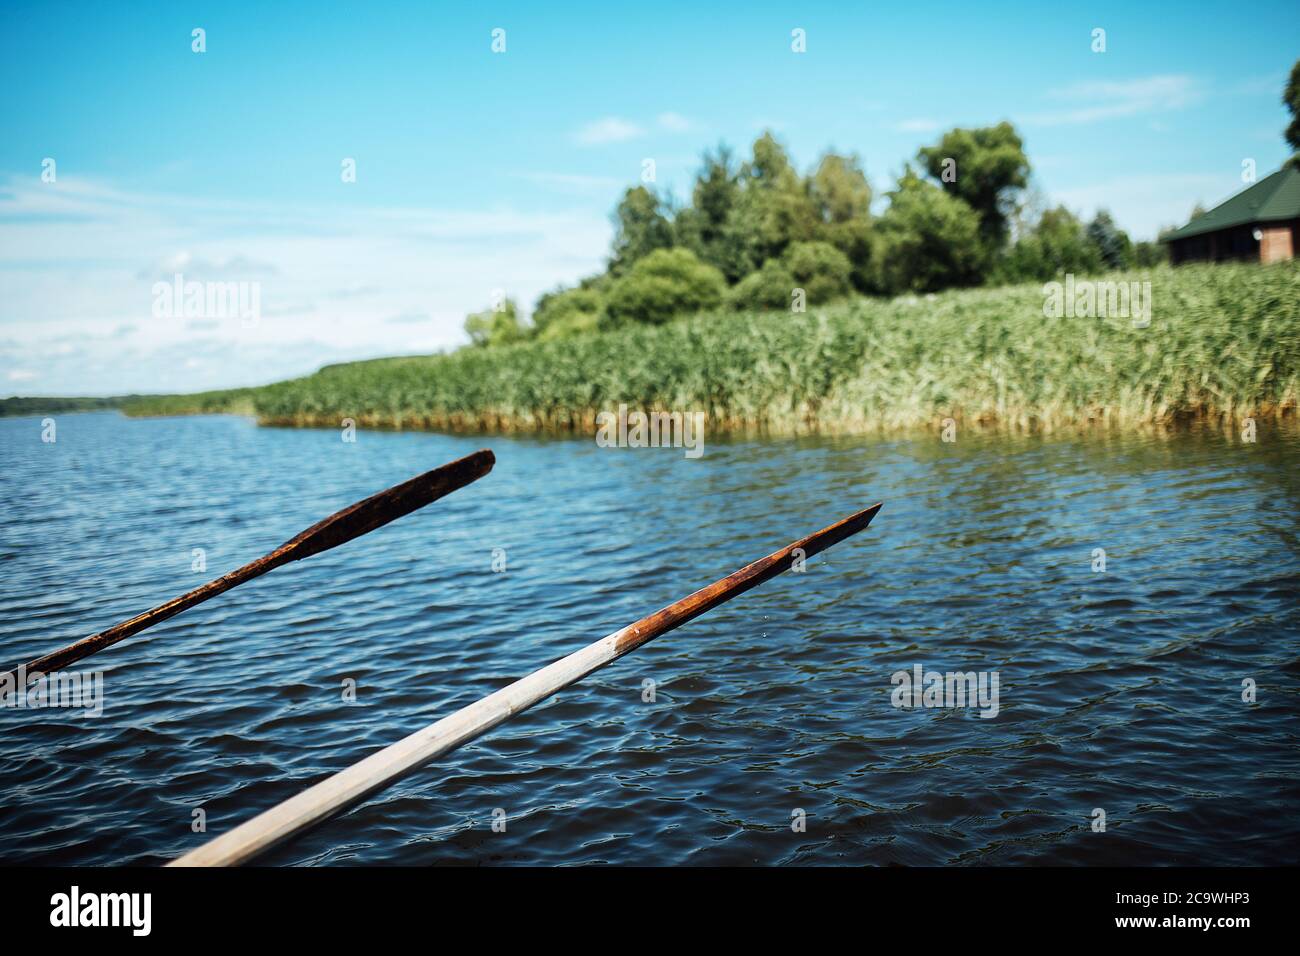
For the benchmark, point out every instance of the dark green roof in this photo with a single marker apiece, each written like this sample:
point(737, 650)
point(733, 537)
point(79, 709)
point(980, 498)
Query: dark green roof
point(1276, 196)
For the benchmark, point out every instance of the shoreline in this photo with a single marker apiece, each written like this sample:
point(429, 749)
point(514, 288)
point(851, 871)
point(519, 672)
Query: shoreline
point(1222, 344)
point(1281, 418)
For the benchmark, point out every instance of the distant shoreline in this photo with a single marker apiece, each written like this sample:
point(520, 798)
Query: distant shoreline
point(1223, 343)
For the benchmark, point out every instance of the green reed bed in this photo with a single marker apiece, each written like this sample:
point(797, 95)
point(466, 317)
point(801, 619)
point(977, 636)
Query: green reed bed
point(1223, 342)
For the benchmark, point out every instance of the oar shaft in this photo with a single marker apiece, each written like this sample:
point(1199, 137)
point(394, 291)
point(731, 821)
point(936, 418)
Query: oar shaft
point(342, 526)
point(61, 658)
point(383, 767)
point(395, 761)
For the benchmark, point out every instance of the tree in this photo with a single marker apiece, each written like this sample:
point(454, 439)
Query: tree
point(990, 167)
point(641, 225)
point(771, 287)
point(496, 326)
point(702, 226)
point(666, 283)
point(839, 189)
point(841, 197)
point(1058, 243)
point(1065, 246)
point(1112, 242)
point(1148, 254)
point(569, 312)
point(1291, 100)
point(927, 240)
point(773, 208)
point(820, 269)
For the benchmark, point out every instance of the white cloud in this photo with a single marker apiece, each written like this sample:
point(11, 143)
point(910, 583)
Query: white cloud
point(675, 122)
point(408, 318)
point(21, 375)
point(196, 268)
point(918, 125)
point(80, 258)
point(354, 291)
point(611, 129)
point(616, 129)
point(1096, 100)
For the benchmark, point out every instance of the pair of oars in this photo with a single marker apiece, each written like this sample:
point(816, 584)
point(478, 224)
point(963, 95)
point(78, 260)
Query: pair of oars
point(382, 768)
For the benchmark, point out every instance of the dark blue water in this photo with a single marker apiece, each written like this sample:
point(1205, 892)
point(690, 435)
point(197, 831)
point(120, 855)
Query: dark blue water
point(1119, 690)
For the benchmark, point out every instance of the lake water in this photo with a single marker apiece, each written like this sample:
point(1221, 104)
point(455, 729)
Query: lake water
point(1118, 690)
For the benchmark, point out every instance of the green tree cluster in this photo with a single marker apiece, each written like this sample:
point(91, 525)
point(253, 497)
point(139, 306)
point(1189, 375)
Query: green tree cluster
point(985, 168)
point(928, 240)
point(665, 283)
point(758, 234)
point(498, 326)
point(1059, 242)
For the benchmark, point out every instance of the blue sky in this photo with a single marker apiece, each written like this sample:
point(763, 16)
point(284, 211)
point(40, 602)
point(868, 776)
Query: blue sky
point(478, 172)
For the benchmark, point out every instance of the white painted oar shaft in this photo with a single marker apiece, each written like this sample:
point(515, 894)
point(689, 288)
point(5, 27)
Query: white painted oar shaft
point(381, 768)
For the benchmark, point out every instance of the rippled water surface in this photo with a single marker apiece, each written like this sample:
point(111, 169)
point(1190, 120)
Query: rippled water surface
point(1119, 690)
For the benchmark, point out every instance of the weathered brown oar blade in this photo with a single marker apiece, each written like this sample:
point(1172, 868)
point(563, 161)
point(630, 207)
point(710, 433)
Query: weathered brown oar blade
point(750, 576)
point(337, 529)
point(381, 768)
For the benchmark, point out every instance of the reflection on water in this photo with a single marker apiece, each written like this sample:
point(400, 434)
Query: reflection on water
point(1119, 691)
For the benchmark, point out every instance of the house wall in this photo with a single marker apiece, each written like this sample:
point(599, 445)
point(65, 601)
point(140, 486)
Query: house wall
point(1235, 243)
point(1278, 243)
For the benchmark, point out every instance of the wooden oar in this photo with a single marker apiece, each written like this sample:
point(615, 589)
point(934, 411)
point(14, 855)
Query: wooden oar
point(385, 766)
point(337, 529)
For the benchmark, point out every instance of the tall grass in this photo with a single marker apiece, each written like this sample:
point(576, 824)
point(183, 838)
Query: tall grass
point(1223, 342)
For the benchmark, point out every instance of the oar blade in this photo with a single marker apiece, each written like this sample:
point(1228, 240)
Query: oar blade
point(378, 510)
